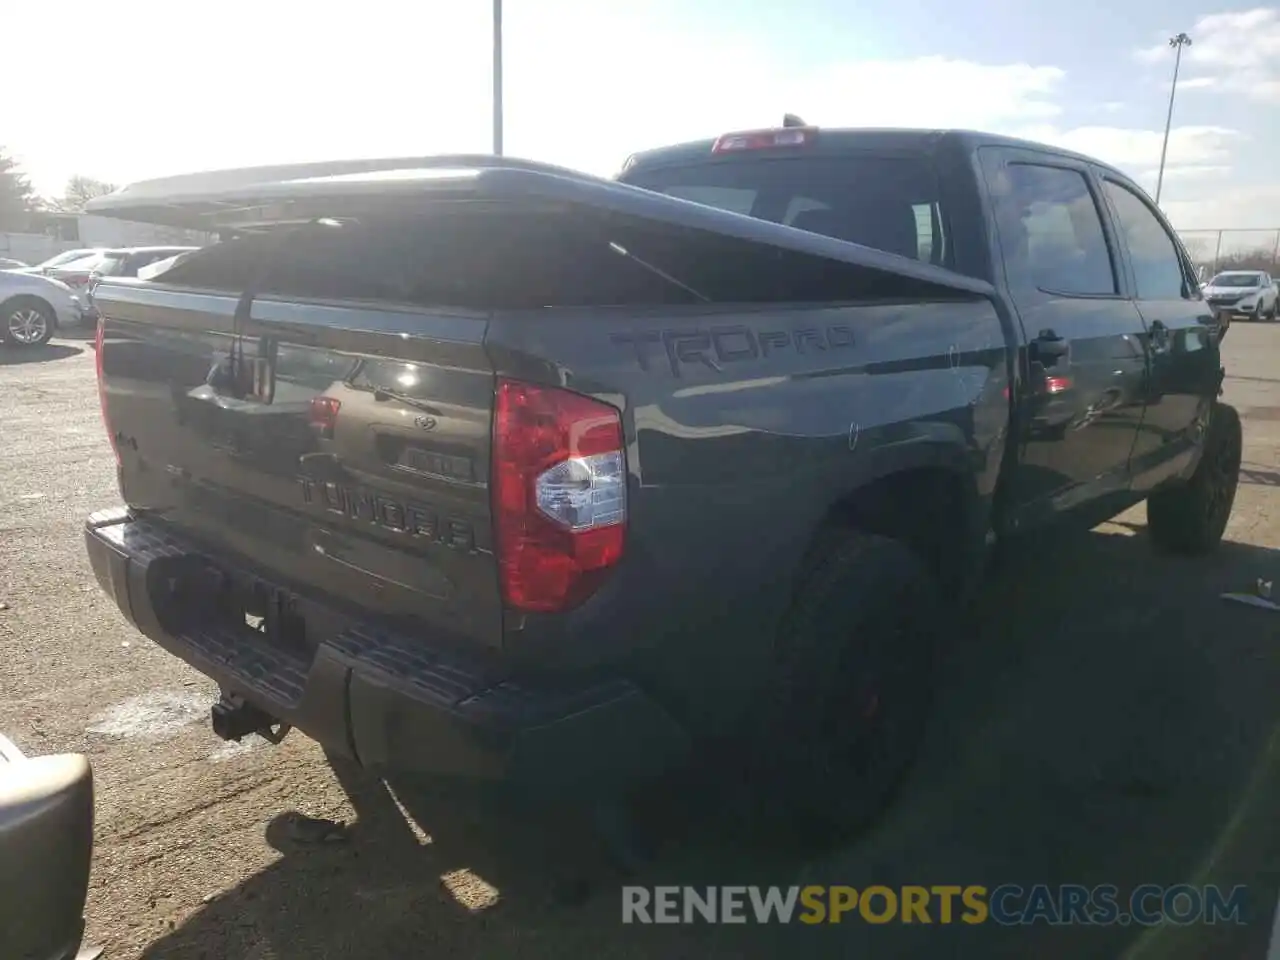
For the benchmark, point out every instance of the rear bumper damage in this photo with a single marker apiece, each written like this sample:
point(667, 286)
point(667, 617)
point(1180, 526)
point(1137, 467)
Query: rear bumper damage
point(389, 700)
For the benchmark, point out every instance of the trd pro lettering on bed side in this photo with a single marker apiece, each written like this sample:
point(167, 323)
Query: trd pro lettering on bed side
point(715, 347)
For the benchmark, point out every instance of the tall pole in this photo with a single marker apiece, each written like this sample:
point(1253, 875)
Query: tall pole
point(497, 78)
point(1178, 42)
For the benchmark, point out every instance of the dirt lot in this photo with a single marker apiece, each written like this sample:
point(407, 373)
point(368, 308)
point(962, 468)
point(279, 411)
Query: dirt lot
point(1111, 720)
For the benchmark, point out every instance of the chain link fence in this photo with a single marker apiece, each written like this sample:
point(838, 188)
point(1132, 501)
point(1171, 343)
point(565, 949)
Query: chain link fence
point(1233, 249)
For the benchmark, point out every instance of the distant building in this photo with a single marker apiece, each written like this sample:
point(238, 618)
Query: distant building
point(91, 231)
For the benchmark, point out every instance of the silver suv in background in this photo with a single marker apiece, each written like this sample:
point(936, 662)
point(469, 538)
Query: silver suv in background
point(1243, 293)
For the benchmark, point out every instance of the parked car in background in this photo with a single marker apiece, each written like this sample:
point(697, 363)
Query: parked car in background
point(7, 264)
point(1244, 293)
point(123, 262)
point(62, 259)
point(160, 266)
point(32, 307)
point(75, 272)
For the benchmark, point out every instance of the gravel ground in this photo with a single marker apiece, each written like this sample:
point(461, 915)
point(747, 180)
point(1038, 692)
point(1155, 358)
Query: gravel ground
point(1110, 720)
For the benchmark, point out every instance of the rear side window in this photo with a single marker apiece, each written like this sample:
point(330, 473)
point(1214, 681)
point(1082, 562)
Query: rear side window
point(1158, 270)
point(112, 265)
point(1051, 232)
point(889, 203)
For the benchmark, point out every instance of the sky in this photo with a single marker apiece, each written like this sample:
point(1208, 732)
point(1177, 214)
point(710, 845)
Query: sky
point(148, 88)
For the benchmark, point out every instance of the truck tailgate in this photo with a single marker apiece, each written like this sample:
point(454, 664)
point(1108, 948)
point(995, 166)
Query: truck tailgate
point(362, 472)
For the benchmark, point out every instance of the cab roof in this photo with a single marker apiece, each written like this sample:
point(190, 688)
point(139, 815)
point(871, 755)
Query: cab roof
point(836, 141)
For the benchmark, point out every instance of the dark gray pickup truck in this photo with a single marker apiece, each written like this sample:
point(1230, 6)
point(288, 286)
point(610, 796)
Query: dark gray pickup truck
point(486, 468)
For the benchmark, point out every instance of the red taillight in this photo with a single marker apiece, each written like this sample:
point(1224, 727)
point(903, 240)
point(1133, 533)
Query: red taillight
point(559, 494)
point(102, 385)
point(765, 139)
point(324, 416)
point(1057, 384)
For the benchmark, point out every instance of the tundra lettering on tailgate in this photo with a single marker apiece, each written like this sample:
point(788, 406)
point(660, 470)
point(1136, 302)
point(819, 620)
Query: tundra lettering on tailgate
point(412, 519)
point(718, 346)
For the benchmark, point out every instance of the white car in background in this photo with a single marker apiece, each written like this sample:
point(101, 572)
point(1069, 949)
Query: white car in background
point(62, 259)
point(1245, 293)
point(32, 307)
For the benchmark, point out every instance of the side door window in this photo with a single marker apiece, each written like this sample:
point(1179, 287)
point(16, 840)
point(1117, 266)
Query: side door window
point(1052, 233)
point(1160, 269)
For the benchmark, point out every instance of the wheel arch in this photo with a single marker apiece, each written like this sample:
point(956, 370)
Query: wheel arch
point(923, 491)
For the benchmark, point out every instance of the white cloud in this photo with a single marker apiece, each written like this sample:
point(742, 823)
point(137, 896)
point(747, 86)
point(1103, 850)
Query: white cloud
point(581, 87)
point(586, 84)
point(1191, 171)
point(1236, 52)
point(1242, 210)
point(1135, 150)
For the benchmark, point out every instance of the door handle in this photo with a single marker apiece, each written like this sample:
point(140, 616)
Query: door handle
point(1049, 346)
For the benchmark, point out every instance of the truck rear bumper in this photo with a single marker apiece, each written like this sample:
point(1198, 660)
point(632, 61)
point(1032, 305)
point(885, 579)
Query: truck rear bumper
point(388, 700)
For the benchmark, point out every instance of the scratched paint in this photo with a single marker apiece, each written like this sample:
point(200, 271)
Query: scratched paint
point(152, 716)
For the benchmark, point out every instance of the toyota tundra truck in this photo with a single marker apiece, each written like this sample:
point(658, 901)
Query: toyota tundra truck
point(484, 468)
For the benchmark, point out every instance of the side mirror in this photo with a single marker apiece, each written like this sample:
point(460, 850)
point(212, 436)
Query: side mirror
point(46, 844)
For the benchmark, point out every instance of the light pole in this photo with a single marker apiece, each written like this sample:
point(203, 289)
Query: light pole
point(1178, 42)
point(497, 78)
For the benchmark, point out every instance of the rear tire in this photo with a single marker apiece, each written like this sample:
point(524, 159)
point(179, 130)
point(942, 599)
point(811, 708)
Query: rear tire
point(848, 703)
point(1191, 518)
point(26, 322)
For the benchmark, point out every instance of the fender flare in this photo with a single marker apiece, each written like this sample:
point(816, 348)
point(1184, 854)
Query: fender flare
point(937, 446)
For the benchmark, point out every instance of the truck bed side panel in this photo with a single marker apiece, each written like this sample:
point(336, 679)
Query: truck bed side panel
point(745, 426)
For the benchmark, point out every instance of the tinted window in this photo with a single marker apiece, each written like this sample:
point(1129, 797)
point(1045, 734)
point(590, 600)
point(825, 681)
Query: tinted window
point(111, 264)
point(81, 264)
point(1051, 231)
point(1236, 280)
point(66, 258)
point(1157, 264)
point(723, 198)
point(874, 201)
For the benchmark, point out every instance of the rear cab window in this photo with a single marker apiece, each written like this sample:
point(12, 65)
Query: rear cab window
point(890, 203)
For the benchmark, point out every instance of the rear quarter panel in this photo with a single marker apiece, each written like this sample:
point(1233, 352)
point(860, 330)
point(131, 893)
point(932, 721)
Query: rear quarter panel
point(745, 425)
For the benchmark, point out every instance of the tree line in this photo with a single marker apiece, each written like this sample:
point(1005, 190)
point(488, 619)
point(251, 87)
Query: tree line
point(21, 210)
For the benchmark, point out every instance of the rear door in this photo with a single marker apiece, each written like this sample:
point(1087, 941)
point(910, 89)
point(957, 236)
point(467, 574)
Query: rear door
point(1179, 334)
point(1085, 360)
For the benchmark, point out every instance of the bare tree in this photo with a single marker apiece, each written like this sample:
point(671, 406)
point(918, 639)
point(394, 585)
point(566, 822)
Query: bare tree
point(1259, 259)
point(79, 191)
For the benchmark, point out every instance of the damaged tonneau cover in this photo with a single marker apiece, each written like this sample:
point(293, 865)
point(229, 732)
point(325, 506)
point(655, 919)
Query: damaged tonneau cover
point(228, 199)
